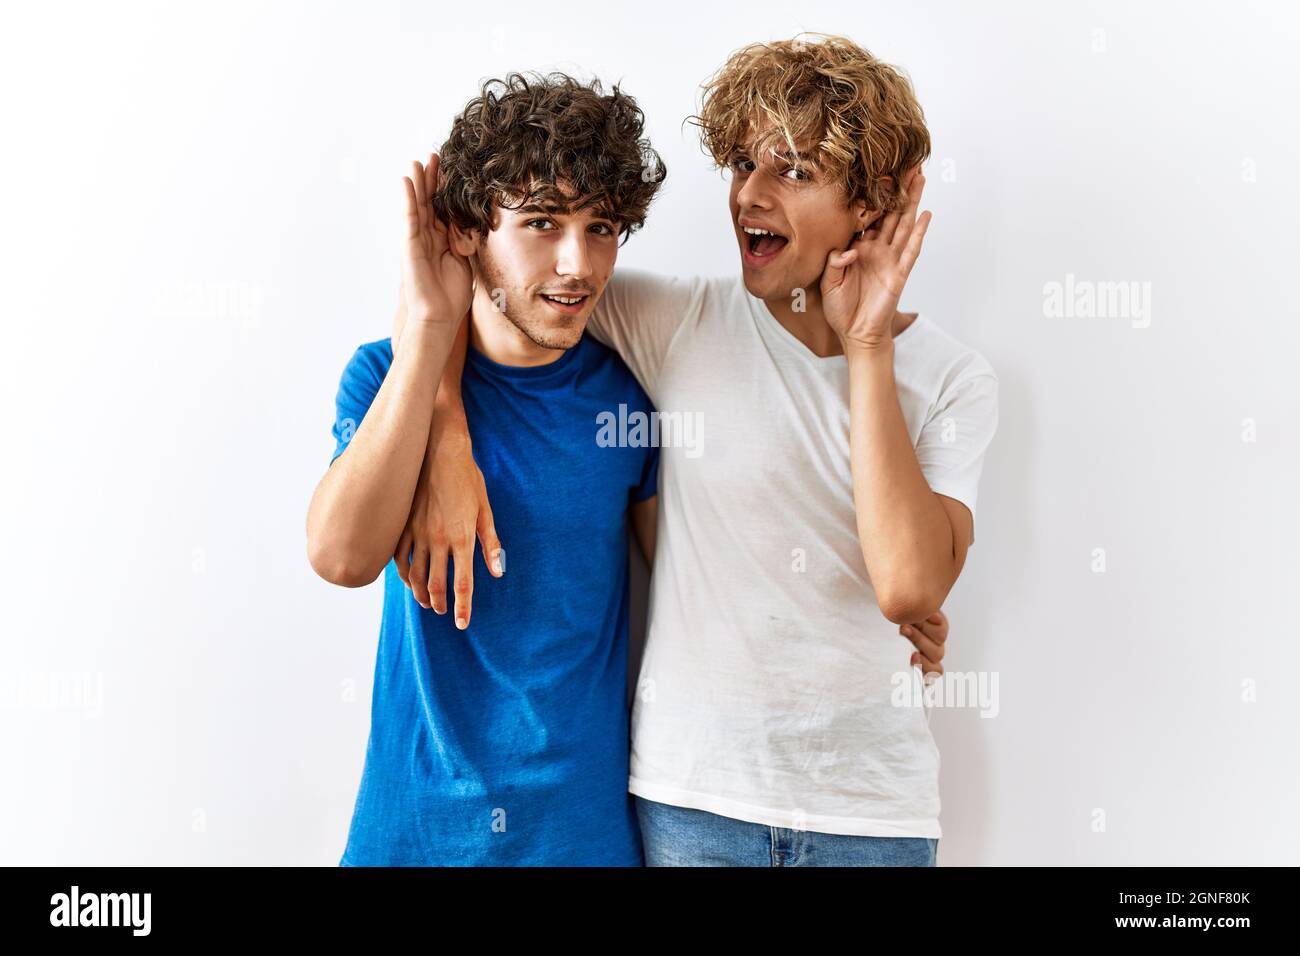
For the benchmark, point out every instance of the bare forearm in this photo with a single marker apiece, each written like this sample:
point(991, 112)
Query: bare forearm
point(361, 505)
point(906, 536)
point(645, 518)
point(448, 409)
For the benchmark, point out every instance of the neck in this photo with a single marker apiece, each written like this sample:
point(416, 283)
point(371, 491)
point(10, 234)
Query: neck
point(810, 326)
point(492, 334)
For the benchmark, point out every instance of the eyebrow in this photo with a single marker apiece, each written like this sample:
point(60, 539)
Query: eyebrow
point(793, 159)
point(557, 209)
point(796, 158)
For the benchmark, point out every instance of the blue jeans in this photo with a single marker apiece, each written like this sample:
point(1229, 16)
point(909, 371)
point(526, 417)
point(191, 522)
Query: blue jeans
point(681, 836)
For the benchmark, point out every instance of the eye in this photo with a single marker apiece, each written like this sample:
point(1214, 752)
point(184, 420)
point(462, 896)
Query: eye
point(604, 227)
point(802, 176)
point(533, 222)
point(742, 164)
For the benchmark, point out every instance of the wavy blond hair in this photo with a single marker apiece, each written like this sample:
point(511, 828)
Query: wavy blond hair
point(829, 99)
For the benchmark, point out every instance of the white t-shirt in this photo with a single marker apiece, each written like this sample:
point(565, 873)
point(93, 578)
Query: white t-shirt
point(765, 689)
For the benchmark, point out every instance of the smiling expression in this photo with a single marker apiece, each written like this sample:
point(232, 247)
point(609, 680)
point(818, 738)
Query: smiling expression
point(788, 216)
point(545, 267)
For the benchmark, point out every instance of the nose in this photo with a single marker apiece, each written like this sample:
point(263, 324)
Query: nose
point(755, 191)
point(572, 257)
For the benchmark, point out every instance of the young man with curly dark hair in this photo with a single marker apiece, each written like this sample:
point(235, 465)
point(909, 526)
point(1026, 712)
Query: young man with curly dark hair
point(805, 555)
point(507, 743)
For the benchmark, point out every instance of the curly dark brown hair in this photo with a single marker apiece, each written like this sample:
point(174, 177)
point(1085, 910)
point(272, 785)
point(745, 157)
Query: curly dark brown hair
point(521, 137)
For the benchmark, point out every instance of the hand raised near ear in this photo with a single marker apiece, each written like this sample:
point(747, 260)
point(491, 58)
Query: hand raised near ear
point(437, 283)
point(861, 285)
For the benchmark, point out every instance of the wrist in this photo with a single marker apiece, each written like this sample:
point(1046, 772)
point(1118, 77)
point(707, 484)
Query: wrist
point(869, 354)
point(430, 320)
point(450, 428)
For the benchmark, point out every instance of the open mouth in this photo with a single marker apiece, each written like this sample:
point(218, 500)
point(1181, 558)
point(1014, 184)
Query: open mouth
point(764, 243)
point(568, 304)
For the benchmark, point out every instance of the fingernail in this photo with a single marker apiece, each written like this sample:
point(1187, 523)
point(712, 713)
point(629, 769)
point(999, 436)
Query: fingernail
point(499, 561)
point(462, 623)
point(907, 629)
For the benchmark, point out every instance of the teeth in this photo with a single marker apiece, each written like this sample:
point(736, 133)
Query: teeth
point(755, 231)
point(562, 299)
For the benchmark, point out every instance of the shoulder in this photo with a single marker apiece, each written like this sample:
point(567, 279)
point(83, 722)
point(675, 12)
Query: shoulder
point(599, 361)
point(363, 375)
point(595, 357)
point(370, 361)
point(673, 296)
point(926, 350)
point(630, 281)
point(378, 352)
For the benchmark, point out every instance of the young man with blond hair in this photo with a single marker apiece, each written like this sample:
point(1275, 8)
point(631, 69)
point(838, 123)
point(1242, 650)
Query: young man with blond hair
point(833, 504)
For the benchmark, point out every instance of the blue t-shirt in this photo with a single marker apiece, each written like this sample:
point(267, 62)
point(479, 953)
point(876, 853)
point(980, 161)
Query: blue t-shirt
point(506, 744)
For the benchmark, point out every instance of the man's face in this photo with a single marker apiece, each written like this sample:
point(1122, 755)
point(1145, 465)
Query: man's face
point(536, 257)
point(793, 198)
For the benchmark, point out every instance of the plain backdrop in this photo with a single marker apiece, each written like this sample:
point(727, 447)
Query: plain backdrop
point(200, 220)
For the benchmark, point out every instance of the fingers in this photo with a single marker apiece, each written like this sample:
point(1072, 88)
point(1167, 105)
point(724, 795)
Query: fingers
point(936, 626)
point(421, 193)
point(402, 556)
point(419, 575)
point(928, 667)
point(429, 181)
point(888, 225)
point(462, 553)
point(836, 263)
point(494, 556)
point(913, 248)
point(431, 171)
point(907, 221)
point(412, 210)
point(434, 580)
point(929, 648)
point(936, 631)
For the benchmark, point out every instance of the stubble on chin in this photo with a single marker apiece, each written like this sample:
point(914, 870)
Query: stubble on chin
point(527, 319)
point(547, 335)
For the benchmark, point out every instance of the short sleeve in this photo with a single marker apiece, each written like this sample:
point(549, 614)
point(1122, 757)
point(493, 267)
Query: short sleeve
point(956, 436)
point(649, 486)
point(647, 482)
point(639, 315)
point(358, 387)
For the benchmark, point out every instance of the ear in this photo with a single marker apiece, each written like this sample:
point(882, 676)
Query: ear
point(464, 242)
point(866, 217)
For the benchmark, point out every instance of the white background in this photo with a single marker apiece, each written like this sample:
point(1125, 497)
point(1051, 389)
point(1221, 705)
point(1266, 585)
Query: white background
point(200, 207)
